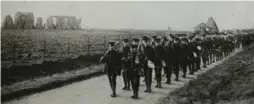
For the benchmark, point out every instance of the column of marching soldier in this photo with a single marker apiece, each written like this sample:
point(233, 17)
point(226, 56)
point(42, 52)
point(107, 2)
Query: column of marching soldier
point(140, 57)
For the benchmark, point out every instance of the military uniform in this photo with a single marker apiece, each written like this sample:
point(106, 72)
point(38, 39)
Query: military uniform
point(158, 52)
point(204, 53)
point(126, 73)
point(198, 52)
point(178, 55)
point(112, 60)
point(135, 71)
point(146, 54)
point(184, 58)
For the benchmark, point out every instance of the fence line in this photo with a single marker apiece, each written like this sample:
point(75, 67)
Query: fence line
point(41, 47)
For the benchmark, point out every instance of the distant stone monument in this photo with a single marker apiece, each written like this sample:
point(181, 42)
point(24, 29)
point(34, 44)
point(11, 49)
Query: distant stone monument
point(39, 24)
point(8, 23)
point(50, 23)
point(29, 20)
point(64, 22)
point(24, 20)
point(213, 29)
point(201, 29)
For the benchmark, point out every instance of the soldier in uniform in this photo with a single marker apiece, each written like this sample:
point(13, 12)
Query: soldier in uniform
point(169, 59)
point(112, 60)
point(191, 57)
point(178, 55)
point(135, 71)
point(146, 54)
point(198, 52)
point(153, 41)
point(125, 50)
point(204, 54)
point(159, 52)
point(184, 58)
point(135, 41)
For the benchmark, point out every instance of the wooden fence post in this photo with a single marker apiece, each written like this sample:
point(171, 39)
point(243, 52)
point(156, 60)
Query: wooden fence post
point(68, 48)
point(118, 37)
point(105, 42)
point(88, 45)
point(44, 49)
point(129, 36)
point(14, 53)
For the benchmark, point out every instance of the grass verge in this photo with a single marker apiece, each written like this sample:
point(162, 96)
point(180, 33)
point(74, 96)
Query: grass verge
point(31, 79)
point(231, 82)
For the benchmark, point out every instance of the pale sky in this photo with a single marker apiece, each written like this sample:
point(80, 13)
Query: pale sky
point(141, 15)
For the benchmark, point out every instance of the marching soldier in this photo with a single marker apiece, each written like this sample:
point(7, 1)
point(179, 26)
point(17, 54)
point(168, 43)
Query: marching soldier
point(147, 56)
point(135, 71)
point(191, 56)
point(112, 60)
point(169, 59)
point(136, 42)
point(178, 55)
point(204, 54)
point(184, 58)
point(159, 52)
point(198, 52)
point(125, 50)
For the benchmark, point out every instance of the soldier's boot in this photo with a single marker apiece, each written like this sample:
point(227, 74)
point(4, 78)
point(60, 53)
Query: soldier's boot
point(176, 79)
point(147, 86)
point(159, 85)
point(125, 81)
point(113, 94)
point(136, 95)
point(149, 89)
point(128, 85)
point(113, 91)
point(184, 75)
point(168, 79)
point(134, 91)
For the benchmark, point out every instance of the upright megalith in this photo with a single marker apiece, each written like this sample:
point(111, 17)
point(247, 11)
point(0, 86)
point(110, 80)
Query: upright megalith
point(7, 23)
point(39, 23)
point(64, 22)
point(201, 29)
point(29, 20)
point(50, 23)
point(19, 20)
point(78, 24)
point(24, 20)
point(213, 29)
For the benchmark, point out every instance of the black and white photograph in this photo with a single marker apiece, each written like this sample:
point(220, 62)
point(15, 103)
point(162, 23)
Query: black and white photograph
point(127, 52)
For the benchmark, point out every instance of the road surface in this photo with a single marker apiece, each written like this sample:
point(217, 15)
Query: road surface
point(97, 91)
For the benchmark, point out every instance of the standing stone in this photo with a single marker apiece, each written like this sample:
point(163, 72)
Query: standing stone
point(78, 24)
point(8, 23)
point(71, 23)
point(212, 26)
point(18, 21)
point(50, 23)
point(29, 20)
point(201, 29)
point(39, 24)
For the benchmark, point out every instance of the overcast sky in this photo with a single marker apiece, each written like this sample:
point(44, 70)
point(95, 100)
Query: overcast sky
point(141, 15)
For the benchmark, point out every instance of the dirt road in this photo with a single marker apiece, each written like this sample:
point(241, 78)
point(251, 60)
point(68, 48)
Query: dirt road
point(97, 91)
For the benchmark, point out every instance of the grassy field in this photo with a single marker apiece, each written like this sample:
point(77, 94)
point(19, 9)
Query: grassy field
point(231, 82)
point(27, 47)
